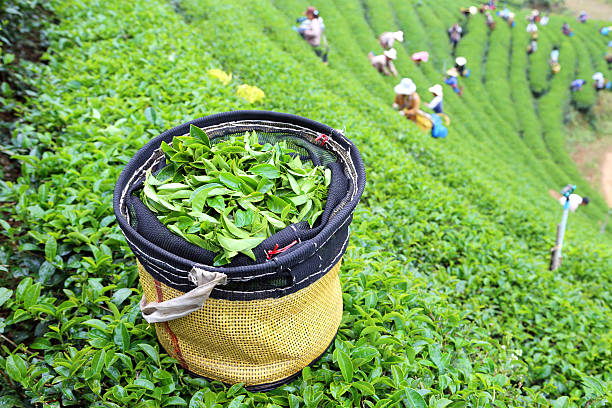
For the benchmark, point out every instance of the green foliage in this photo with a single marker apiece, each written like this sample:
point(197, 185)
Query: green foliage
point(230, 196)
point(447, 297)
point(23, 39)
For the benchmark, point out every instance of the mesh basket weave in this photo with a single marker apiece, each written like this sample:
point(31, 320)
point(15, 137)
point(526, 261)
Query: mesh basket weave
point(264, 320)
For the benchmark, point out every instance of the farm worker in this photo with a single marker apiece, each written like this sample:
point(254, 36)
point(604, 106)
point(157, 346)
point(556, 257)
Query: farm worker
point(583, 17)
point(468, 11)
point(566, 29)
point(407, 101)
point(609, 60)
point(510, 20)
point(532, 27)
point(600, 81)
point(312, 31)
point(577, 84)
point(491, 4)
point(460, 63)
point(575, 200)
point(544, 20)
point(606, 31)
point(533, 46)
point(421, 56)
point(454, 33)
point(436, 102)
point(490, 22)
point(534, 16)
point(554, 55)
point(451, 80)
point(384, 63)
point(387, 38)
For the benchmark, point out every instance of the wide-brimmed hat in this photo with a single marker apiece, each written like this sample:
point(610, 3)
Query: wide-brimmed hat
point(420, 56)
point(405, 87)
point(399, 35)
point(473, 10)
point(598, 76)
point(461, 61)
point(452, 72)
point(436, 90)
point(391, 54)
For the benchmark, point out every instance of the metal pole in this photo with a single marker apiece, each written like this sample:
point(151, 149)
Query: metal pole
point(555, 261)
point(603, 226)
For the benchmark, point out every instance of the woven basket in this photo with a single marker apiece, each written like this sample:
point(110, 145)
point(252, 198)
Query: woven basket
point(262, 321)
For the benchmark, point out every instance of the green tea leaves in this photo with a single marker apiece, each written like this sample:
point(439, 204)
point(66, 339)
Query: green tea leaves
point(345, 364)
point(229, 196)
point(266, 170)
point(198, 133)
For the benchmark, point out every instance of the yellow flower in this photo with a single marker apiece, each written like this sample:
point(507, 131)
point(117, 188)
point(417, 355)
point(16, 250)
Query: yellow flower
point(250, 93)
point(222, 76)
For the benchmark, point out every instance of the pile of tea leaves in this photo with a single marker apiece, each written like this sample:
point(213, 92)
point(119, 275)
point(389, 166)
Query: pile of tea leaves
point(229, 196)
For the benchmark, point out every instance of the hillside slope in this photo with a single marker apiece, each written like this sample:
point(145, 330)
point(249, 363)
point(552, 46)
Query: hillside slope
point(448, 300)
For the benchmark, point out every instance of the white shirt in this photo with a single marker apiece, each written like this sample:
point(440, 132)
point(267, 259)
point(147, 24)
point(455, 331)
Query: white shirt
point(532, 28)
point(600, 83)
point(554, 55)
point(544, 20)
point(574, 201)
point(434, 102)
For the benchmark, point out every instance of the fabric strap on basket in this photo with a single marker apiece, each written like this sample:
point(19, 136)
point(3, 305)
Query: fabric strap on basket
point(171, 309)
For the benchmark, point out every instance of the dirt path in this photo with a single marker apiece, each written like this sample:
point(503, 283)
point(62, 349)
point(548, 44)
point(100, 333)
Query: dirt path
point(597, 9)
point(606, 177)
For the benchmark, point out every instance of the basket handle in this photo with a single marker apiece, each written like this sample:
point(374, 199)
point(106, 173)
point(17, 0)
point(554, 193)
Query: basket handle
point(171, 309)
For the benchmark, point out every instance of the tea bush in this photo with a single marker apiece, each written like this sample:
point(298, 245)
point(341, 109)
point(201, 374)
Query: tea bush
point(447, 296)
point(23, 40)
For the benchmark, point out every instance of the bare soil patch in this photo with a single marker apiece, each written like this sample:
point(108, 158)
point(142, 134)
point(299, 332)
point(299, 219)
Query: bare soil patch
point(596, 9)
point(606, 177)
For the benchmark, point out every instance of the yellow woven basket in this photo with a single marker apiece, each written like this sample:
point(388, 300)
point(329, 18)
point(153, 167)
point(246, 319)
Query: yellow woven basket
point(257, 342)
point(257, 322)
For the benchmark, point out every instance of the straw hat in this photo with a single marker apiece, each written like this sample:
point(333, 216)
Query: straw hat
point(391, 54)
point(452, 72)
point(436, 90)
point(399, 36)
point(473, 10)
point(461, 61)
point(405, 87)
point(598, 76)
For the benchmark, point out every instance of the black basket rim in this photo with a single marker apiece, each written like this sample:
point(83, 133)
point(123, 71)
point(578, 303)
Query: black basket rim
point(284, 260)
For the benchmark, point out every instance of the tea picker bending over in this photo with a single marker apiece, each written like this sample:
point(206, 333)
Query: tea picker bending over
point(574, 199)
point(407, 101)
point(599, 81)
point(460, 63)
point(577, 84)
point(387, 39)
point(384, 63)
point(452, 80)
